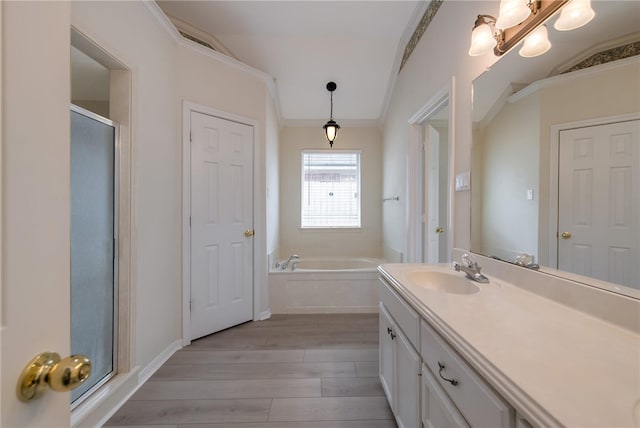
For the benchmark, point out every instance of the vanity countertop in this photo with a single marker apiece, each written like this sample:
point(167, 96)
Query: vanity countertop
point(556, 365)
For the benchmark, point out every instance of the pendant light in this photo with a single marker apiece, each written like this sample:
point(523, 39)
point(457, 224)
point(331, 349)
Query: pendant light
point(331, 127)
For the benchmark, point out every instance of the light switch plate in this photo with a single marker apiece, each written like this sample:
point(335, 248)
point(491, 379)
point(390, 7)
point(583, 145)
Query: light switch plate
point(463, 181)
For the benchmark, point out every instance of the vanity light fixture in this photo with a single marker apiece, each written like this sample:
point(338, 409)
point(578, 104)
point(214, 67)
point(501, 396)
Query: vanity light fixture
point(520, 19)
point(331, 127)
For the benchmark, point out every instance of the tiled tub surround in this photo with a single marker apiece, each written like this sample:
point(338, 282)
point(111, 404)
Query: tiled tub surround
point(556, 364)
point(323, 285)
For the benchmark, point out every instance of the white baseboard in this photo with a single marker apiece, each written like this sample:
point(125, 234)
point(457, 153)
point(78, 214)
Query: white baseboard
point(105, 402)
point(158, 361)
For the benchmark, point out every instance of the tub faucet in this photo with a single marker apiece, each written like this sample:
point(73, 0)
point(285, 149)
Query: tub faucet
point(471, 268)
point(285, 265)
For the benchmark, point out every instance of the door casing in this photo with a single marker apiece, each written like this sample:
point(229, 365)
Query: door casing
point(415, 171)
point(259, 237)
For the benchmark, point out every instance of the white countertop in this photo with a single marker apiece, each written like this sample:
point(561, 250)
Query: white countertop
point(554, 364)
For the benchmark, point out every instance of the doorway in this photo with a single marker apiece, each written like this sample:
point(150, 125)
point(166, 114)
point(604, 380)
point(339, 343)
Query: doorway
point(430, 202)
point(219, 248)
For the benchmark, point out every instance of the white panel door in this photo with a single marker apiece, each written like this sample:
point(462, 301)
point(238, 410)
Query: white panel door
point(387, 356)
point(407, 382)
point(221, 212)
point(432, 187)
point(598, 209)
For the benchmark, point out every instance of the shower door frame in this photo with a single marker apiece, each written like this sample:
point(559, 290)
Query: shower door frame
point(116, 280)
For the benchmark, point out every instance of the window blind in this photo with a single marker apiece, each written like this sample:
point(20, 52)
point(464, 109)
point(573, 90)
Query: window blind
point(330, 189)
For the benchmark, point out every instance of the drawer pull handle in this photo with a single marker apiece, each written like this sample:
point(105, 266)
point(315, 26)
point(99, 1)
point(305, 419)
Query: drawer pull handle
point(393, 336)
point(452, 381)
point(388, 330)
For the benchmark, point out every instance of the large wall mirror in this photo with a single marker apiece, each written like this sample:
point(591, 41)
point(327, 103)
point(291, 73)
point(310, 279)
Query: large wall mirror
point(556, 155)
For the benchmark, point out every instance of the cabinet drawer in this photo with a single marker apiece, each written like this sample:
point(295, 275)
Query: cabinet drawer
point(478, 403)
point(403, 314)
point(437, 408)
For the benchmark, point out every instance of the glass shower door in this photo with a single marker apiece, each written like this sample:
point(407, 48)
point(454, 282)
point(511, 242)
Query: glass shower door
point(93, 249)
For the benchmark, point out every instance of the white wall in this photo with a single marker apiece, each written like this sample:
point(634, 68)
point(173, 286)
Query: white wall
point(163, 73)
point(364, 242)
point(272, 161)
point(441, 53)
point(132, 35)
point(510, 166)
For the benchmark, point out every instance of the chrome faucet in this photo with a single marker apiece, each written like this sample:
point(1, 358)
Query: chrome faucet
point(285, 265)
point(471, 268)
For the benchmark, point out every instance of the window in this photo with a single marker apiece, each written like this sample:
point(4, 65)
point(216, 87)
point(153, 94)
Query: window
point(330, 189)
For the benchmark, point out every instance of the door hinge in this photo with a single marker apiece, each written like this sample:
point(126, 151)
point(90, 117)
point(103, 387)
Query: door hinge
point(189, 221)
point(190, 137)
point(190, 305)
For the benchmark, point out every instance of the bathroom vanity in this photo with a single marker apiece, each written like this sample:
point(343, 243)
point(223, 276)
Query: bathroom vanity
point(457, 353)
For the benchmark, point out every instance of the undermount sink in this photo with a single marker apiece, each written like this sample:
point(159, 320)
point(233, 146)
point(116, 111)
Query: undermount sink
point(443, 282)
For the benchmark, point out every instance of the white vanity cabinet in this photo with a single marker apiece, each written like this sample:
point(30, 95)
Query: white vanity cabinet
point(400, 363)
point(434, 387)
point(480, 405)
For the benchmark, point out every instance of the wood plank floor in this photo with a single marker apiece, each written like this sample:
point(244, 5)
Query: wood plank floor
point(290, 371)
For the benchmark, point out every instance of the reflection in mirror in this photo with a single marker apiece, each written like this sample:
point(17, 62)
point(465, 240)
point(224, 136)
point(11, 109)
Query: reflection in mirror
point(556, 155)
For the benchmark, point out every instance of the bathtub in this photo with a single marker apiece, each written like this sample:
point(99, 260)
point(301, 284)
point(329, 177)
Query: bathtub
point(325, 285)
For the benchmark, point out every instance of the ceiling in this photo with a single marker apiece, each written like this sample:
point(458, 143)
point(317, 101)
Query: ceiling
point(304, 44)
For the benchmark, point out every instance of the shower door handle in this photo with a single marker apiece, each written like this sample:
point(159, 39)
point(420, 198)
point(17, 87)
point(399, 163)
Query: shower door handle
point(48, 369)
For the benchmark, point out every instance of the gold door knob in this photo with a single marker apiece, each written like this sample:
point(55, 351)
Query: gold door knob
point(439, 230)
point(48, 369)
point(248, 233)
point(566, 235)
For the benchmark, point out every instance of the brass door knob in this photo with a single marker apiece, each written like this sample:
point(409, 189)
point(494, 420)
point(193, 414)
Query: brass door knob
point(48, 369)
point(248, 233)
point(439, 230)
point(566, 235)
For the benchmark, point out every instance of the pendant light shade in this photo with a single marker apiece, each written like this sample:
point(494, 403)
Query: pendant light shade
point(512, 12)
point(482, 38)
point(536, 43)
point(331, 127)
point(331, 130)
point(574, 15)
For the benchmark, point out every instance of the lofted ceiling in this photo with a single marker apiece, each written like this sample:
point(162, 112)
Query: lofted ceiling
point(304, 44)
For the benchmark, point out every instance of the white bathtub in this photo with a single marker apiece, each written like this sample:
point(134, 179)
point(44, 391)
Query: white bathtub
point(325, 285)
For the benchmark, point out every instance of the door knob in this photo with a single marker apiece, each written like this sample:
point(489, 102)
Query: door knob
point(48, 369)
point(248, 233)
point(439, 230)
point(566, 235)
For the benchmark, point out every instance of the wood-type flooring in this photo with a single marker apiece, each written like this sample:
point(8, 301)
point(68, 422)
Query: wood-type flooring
point(290, 371)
